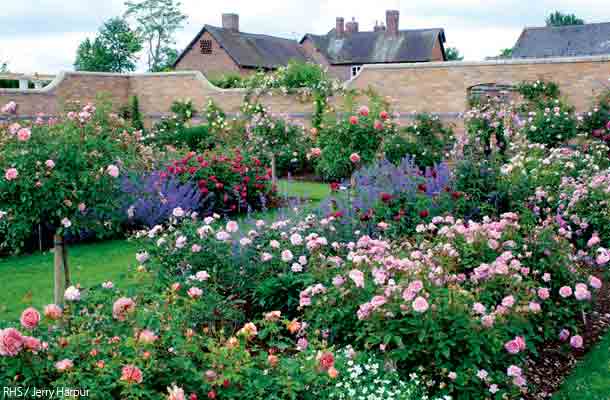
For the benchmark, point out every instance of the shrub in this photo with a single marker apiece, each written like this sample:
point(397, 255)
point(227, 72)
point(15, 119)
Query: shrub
point(538, 93)
point(596, 122)
point(489, 125)
point(64, 174)
point(551, 124)
point(228, 184)
point(421, 306)
point(359, 134)
point(427, 139)
point(288, 143)
point(228, 81)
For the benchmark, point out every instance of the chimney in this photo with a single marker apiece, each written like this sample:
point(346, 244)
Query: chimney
point(379, 27)
point(352, 26)
point(231, 22)
point(340, 28)
point(392, 18)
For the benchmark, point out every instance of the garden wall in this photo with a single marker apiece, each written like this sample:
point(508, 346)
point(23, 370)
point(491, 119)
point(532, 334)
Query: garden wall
point(439, 87)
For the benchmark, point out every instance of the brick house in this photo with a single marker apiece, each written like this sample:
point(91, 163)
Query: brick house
point(343, 50)
point(217, 51)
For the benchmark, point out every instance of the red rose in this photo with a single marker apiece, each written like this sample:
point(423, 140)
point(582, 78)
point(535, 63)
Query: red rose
point(226, 383)
point(211, 394)
point(384, 115)
point(385, 197)
point(327, 360)
point(421, 187)
point(353, 120)
point(424, 213)
point(334, 186)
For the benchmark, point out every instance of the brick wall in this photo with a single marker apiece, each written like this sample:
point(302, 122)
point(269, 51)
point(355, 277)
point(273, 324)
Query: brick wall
point(432, 87)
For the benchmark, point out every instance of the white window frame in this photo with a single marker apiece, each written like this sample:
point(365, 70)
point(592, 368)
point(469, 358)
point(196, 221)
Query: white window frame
point(355, 70)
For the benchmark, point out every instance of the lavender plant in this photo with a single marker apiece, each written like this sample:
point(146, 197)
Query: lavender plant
point(151, 198)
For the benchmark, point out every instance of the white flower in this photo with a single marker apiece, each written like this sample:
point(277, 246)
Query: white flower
point(274, 244)
point(66, 223)
point(208, 220)
point(296, 267)
point(142, 257)
point(266, 257)
point(296, 239)
point(178, 212)
point(180, 242)
point(202, 276)
point(72, 294)
point(108, 285)
point(287, 256)
point(223, 236)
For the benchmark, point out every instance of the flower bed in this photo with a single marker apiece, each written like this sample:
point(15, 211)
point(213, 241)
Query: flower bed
point(405, 283)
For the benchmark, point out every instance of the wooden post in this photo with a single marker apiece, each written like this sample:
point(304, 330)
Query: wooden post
point(58, 292)
point(273, 170)
point(64, 252)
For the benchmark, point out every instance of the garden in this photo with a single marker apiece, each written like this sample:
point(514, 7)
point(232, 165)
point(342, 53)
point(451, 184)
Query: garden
point(421, 264)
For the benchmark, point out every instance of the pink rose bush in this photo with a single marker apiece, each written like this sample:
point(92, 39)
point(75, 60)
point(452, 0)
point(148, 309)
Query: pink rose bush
point(59, 165)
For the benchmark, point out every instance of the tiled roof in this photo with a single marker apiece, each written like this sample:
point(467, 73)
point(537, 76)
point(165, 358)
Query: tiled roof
point(563, 41)
point(378, 47)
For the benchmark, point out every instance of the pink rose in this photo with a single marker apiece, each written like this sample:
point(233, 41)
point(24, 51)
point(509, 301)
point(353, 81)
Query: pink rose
point(576, 341)
point(23, 135)
point(52, 312)
point(122, 307)
point(194, 293)
point(64, 365)
point(384, 115)
point(32, 344)
point(10, 108)
point(512, 346)
point(353, 120)
point(544, 293)
point(508, 301)
point(513, 370)
point(565, 291)
point(50, 164)
point(595, 282)
point(131, 374)
point(358, 277)
point(364, 111)
point(14, 128)
point(11, 342)
point(564, 335)
point(11, 174)
point(378, 125)
point(113, 171)
point(315, 152)
point(420, 304)
point(147, 337)
point(30, 318)
point(354, 158)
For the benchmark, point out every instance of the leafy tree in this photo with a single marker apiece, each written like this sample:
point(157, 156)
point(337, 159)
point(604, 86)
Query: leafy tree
point(114, 49)
point(506, 53)
point(3, 66)
point(560, 19)
point(453, 54)
point(157, 21)
point(169, 56)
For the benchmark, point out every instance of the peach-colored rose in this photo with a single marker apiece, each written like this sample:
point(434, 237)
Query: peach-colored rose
point(52, 311)
point(11, 342)
point(122, 307)
point(131, 374)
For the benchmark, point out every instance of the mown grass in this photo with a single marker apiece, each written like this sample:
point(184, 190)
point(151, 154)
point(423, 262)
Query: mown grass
point(28, 280)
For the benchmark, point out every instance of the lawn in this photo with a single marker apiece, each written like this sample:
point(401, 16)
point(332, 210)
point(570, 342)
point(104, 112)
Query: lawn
point(28, 280)
point(590, 379)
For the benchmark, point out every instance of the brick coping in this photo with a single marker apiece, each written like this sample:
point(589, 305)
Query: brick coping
point(198, 75)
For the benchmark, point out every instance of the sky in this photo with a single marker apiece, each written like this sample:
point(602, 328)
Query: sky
point(43, 35)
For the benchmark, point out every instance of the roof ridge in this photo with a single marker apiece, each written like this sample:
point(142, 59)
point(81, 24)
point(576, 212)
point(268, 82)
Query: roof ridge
point(264, 35)
point(566, 26)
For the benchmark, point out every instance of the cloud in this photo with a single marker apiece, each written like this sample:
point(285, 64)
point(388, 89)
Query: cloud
point(43, 35)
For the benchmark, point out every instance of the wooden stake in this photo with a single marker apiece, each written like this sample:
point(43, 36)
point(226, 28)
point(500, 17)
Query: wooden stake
point(58, 270)
point(273, 170)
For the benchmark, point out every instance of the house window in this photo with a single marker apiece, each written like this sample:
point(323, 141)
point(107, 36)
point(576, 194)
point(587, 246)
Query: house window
point(206, 46)
point(356, 69)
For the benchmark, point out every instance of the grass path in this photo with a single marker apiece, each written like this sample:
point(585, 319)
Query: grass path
point(28, 280)
point(590, 380)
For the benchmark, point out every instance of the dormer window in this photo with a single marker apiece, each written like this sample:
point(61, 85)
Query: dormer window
point(205, 46)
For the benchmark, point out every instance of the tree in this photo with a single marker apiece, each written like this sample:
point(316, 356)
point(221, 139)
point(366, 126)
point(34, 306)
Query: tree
point(3, 66)
point(453, 54)
point(157, 21)
point(114, 49)
point(560, 19)
point(506, 53)
point(168, 57)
